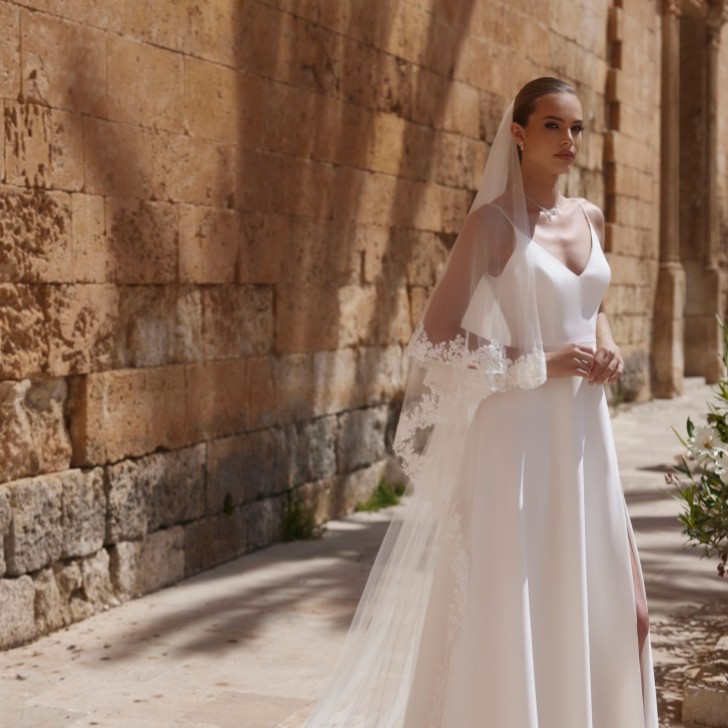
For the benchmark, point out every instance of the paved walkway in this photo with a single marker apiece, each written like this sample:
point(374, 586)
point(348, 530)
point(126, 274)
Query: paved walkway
point(249, 644)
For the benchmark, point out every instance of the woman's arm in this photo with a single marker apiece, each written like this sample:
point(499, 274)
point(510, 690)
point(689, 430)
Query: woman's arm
point(608, 363)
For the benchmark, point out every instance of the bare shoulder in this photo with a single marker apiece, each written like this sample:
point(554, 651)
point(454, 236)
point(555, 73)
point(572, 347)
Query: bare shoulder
point(595, 215)
point(491, 218)
point(489, 227)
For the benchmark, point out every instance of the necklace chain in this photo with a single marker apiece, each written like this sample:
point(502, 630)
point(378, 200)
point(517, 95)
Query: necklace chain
point(550, 212)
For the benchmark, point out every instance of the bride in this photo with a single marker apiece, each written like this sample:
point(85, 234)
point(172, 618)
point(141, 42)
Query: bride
point(508, 592)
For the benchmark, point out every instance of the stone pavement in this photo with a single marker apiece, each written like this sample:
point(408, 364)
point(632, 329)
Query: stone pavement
point(249, 644)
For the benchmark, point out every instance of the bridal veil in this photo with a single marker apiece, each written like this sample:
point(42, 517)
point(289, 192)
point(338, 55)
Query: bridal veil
point(479, 334)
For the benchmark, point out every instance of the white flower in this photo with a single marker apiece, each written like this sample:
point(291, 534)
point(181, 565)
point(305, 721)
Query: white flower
point(707, 449)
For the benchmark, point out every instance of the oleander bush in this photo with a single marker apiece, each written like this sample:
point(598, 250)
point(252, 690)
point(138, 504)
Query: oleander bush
point(701, 479)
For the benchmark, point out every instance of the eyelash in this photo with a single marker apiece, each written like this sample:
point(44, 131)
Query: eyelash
point(577, 129)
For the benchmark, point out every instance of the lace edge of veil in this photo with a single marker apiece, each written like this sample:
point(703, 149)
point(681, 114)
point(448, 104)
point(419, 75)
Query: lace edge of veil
point(458, 378)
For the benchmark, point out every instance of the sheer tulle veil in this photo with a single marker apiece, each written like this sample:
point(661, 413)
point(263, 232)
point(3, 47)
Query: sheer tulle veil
point(479, 334)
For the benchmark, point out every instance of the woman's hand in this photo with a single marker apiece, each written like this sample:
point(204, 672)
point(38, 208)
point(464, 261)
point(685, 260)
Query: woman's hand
point(572, 360)
point(608, 364)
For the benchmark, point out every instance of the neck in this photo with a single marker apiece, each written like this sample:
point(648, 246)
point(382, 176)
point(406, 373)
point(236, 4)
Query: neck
point(541, 189)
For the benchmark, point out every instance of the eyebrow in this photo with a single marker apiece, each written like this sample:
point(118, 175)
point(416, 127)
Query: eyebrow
point(558, 118)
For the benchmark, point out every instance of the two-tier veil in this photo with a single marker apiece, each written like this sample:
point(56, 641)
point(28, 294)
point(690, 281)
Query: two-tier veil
point(479, 334)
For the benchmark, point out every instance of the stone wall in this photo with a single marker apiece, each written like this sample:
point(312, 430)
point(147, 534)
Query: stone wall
point(722, 161)
point(632, 179)
point(220, 221)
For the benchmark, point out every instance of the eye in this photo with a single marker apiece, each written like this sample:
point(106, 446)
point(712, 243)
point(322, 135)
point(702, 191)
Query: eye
point(577, 129)
point(552, 125)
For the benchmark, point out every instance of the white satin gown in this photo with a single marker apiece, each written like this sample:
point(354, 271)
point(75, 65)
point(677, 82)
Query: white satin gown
point(547, 631)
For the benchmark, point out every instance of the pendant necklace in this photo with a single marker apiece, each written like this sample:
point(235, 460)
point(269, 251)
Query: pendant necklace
point(550, 212)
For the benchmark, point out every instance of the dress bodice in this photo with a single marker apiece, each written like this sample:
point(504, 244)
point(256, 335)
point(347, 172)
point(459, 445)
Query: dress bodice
point(568, 303)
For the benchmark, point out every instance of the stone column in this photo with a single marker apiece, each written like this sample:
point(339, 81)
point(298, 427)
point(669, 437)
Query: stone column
point(714, 282)
point(668, 363)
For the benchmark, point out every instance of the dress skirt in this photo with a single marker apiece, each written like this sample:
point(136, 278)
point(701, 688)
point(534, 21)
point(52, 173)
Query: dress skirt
point(532, 622)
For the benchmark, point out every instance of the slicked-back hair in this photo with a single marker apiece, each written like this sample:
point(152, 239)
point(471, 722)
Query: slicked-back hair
point(527, 97)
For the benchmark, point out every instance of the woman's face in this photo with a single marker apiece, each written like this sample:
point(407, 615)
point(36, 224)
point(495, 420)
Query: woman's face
point(552, 136)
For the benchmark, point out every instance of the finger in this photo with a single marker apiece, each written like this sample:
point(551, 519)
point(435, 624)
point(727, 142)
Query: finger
point(617, 374)
point(583, 367)
point(612, 373)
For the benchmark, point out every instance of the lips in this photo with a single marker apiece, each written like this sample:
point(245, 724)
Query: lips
point(566, 155)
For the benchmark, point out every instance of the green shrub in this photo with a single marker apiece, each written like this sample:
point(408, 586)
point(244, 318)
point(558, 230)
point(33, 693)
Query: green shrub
point(299, 520)
point(384, 495)
point(701, 480)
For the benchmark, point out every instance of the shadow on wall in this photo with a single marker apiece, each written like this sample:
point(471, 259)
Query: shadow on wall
point(335, 239)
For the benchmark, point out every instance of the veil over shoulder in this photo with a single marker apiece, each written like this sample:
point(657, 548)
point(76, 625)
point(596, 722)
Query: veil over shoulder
point(479, 334)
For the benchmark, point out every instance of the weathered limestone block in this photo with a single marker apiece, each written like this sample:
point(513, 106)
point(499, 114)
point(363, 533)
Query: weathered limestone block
point(33, 435)
point(84, 512)
point(156, 491)
point(35, 245)
point(358, 313)
point(286, 185)
point(145, 84)
point(263, 522)
point(44, 146)
point(97, 591)
point(293, 386)
point(176, 485)
point(91, 255)
point(212, 29)
point(35, 538)
point(143, 241)
point(51, 609)
point(5, 518)
point(217, 398)
point(634, 384)
point(81, 327)
point(237, 321)
point(335, 385)
point(356, 487)
point(141, 567)
point(128, 502)
point(209, 245)
point(64, 63)
point(260, 261)
point(322, 497)
point(9, 52)
point(214, 540)
point(243, 468)
point(126, 413)
point(426, 257)
point(158, 325)
point(361, 438)
point(16, 611)
point(380, 374)
point(262, 410)
point(23, 331)
point(211, 100)
point(312, 445)
point(124, 558)
point(68, 578)
point(189, 169)
point(393, 324)
point(116, 160)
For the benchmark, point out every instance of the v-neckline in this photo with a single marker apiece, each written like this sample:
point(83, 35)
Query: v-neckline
point(561, 263)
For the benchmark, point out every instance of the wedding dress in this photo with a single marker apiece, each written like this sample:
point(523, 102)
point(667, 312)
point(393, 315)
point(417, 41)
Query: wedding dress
point(502, 595)
point(548, 634)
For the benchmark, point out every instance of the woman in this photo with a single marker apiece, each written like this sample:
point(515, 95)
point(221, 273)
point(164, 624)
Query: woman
point(509, 592)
